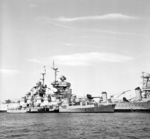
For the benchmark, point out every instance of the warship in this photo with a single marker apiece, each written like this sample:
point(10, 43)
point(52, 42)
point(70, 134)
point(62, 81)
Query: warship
point(38, 100)
point(141, 101)
point(69, 103)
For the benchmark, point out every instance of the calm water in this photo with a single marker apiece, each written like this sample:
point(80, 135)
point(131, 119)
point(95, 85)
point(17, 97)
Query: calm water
point(75, 126)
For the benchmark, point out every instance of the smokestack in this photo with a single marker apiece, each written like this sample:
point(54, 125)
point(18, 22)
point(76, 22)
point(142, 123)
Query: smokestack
point(69, 93)
point(104, 96)
point(138, 93)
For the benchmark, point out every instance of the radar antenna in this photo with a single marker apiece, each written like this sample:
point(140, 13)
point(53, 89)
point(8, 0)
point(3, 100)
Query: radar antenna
point(43, 75)
point(56, 70)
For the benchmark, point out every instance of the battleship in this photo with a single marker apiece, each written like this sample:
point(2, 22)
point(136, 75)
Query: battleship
point(141, 101)
point(38, 100)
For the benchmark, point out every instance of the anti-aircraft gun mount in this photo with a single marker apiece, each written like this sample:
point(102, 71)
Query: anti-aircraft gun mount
point(40, 87)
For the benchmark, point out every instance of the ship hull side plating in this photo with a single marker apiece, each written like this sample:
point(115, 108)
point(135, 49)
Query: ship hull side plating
point(87, 109)
point(132, 107)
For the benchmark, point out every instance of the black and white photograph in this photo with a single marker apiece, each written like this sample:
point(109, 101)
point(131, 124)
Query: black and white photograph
point(74, 69)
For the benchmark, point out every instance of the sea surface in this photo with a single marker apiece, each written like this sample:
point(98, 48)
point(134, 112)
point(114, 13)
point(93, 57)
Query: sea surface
point(75, 126)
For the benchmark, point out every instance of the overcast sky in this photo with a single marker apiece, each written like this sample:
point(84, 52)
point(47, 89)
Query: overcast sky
point(99, 45)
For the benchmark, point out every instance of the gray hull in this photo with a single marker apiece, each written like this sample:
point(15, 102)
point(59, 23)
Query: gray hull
point(3, 110)
point(87, 109)
point(132, 106)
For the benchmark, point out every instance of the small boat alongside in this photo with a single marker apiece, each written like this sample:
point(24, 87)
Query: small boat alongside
point(50, 109)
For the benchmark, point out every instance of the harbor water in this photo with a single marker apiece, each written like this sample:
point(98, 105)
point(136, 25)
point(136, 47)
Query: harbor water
point(75, 126)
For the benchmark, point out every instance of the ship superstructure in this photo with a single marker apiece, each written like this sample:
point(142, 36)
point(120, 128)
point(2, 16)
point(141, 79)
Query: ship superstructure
point(146, 86)
point(38, 100)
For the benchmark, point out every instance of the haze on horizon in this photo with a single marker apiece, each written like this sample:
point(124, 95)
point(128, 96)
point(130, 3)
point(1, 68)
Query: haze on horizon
point(99, 45)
